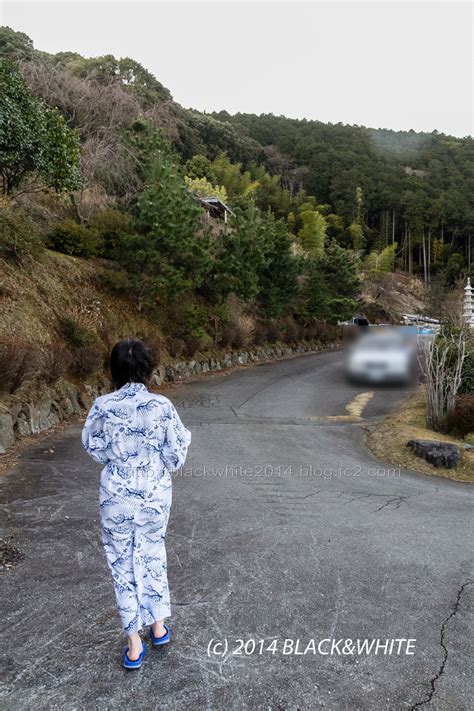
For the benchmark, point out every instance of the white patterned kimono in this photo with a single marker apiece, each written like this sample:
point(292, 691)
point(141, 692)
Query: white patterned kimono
point(139, 437)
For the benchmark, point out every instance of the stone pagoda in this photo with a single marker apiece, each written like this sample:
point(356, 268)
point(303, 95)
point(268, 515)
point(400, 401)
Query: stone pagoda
point(468, 312)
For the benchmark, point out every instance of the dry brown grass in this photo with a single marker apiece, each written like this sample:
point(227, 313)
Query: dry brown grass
point(388, 441)
point(240, 321)
point(34, 296)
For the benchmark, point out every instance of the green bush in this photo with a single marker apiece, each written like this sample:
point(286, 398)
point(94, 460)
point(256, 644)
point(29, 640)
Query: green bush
point(36, 142)
point(110, 225)
point(116, 281)
point(187, 325)
point(17, 235)
point(197, 337)
point(77, 240)
point(76, 334)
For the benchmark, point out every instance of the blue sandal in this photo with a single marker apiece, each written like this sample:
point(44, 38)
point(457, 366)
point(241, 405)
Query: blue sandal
point(158, 641)
point(134, 663)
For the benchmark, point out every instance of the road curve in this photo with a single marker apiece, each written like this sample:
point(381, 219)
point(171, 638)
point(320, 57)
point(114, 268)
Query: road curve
point(283, 526)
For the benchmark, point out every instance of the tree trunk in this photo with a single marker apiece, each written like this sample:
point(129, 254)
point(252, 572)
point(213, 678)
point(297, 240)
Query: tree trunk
point(405, 246)
point(425, 270)
point(442, 242)
point(429, 253)
point(75, 207)
point(410, 253)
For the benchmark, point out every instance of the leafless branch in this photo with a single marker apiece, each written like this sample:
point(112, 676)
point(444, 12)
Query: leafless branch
point(441, 362)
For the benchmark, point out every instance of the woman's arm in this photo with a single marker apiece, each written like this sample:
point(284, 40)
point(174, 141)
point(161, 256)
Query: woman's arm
point(93, 436)
point(176, 442)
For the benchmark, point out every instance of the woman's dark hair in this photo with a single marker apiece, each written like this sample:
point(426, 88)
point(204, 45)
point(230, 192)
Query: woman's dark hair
point(130, 362)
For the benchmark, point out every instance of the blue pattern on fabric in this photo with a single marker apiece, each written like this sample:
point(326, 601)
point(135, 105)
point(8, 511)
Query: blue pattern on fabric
point(140, 438)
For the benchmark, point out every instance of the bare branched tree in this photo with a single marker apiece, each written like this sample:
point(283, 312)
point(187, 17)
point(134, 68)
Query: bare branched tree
point(87, 104)
point(441, 361)
point(100, 112)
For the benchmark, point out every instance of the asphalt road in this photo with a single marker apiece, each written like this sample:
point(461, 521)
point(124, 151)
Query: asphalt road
point(283, 526)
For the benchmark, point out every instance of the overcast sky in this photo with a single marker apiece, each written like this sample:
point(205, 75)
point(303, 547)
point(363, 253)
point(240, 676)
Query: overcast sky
point(397, 65)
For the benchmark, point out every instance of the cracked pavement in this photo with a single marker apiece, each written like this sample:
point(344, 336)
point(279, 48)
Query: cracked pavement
point(434, 682)
point(281, 527)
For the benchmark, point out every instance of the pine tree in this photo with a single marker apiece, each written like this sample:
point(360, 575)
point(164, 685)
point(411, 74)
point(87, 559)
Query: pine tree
point(278, 278)
point(164, 253)
point(241, 254)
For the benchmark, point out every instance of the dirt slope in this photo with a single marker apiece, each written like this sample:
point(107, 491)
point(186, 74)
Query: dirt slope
point(388, 296)
point(36, 295)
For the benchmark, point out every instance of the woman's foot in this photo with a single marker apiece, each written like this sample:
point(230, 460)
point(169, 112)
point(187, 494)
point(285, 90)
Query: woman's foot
point(158, 628)
point(129, 663)
point(135, 647)
point(162, 636)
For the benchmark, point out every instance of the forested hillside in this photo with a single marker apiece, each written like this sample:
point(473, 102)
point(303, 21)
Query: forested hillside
point(97, 161)
point(405, 187)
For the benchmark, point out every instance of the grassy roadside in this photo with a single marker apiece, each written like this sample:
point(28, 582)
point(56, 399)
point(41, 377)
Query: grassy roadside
point(388, 440)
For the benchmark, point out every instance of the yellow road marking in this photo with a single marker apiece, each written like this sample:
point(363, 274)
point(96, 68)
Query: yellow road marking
point(358, 404)
point(355, 409)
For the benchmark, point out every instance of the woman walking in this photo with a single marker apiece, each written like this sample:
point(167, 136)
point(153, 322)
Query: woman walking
point(140, 439)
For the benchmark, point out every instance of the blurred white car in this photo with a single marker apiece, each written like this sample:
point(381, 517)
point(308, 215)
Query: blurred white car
point(387, 356)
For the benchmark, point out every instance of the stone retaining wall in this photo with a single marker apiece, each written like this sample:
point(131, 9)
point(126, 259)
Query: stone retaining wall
point(22, 415)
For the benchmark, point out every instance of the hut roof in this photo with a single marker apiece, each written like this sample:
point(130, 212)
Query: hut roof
point(215, 206)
